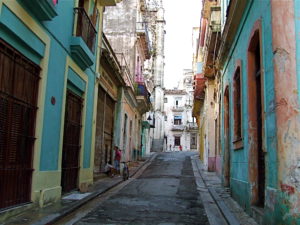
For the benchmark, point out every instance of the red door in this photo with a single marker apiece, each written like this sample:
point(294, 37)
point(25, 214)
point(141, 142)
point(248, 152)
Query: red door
point(19, 79)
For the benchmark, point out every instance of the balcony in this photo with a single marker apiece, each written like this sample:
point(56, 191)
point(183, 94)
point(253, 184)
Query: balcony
point(178, 127)
point(125, 70)
point(109, 58)
point(192, 126)
point(212, 41)
point(142, 32)
point(177, 108)
point(42, 9)
point(143, 98)
point(199, 86)
point(83, 44)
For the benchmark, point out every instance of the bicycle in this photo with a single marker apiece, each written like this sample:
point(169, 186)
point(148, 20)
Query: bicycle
point(125, 172)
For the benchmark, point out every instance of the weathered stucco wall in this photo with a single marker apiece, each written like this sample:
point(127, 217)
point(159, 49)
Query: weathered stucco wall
point(285, 22)
point(240, 184)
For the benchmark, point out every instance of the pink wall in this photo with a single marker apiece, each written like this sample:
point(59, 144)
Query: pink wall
point(218, 165)
point(211, 164)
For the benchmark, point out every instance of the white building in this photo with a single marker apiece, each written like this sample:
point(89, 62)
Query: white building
point(180, 126)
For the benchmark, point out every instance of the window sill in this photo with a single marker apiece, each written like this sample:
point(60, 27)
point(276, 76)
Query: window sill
point(238, 144)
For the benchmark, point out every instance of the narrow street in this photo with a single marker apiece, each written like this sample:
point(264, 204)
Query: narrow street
point(165, 193)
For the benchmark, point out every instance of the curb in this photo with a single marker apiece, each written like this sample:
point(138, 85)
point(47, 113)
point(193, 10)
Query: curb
point(228, 215)
point(53, 218)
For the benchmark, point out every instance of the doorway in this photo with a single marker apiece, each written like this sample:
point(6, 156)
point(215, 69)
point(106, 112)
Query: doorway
point(71, 142)
point(104, 131)
point(19, 83)
point(226, 138)
point(255, 105)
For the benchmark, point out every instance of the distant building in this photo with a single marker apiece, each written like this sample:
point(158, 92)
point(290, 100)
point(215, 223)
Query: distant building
point(180, 127)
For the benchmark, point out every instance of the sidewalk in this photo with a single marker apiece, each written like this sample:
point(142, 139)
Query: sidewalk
point(229, 208)
point(71, 202)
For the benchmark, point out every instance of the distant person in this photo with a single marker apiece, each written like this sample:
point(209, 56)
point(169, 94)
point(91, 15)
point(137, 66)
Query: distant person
point(117, 159)
point(180, 147)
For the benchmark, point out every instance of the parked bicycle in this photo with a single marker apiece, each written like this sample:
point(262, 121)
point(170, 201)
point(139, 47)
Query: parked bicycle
point(125, 172)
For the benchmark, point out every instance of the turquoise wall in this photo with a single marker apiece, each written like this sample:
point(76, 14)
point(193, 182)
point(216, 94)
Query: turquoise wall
point(52, 114)
point(60, 38)
point(256, 10)
point(59, 30)
point(17, 34)
point(89, 118)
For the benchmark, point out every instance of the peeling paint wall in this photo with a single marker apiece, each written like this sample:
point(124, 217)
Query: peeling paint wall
point(240, 163)
point(286, 75)
point(280, 52)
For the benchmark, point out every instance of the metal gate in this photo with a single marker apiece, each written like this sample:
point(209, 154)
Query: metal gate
point(19, 79)
point(71, 142)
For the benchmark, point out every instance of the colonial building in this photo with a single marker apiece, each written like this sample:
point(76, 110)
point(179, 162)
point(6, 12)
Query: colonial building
point(47, 84)
point(180, 127)
point(128, 34)
point(108, 84)
point(250, 60)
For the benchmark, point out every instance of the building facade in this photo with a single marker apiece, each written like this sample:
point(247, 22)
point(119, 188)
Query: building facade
point(48, 77)
point(181, 129)
point(254, 72)
point(130, 40)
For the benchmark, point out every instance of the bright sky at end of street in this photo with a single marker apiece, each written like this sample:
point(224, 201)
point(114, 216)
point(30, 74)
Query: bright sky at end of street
point(181, 17)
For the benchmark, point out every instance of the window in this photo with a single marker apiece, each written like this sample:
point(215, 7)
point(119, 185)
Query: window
point(193, 141)
point(237, 105)
point(166, 118)
point(177, 102)
point(177, 120)
point(130, 127)
point(165, 100)
point(176, 141)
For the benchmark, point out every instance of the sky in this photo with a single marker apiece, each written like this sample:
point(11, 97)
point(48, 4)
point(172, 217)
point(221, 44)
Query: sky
point(181, 17)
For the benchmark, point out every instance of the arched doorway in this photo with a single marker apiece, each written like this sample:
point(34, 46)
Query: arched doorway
point(256, 118)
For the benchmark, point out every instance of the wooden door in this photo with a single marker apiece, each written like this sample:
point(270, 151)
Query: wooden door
point(19, 79)
point(71, 142)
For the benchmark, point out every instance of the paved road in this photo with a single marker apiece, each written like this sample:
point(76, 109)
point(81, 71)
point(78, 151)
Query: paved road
point(164, 194)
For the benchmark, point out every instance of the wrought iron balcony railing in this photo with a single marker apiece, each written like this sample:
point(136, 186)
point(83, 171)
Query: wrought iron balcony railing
point(85, 28)
point(142, 29)
point(178, 127)
point(178, 108)
point(125, 69)
point(192, 126)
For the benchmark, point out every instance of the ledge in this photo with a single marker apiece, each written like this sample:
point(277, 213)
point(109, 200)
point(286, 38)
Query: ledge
point(143, 104)
point(81, 53)
point(43, 9)
point(108, 2)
